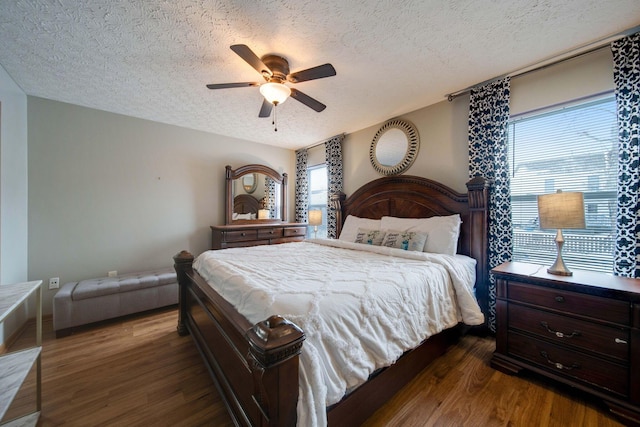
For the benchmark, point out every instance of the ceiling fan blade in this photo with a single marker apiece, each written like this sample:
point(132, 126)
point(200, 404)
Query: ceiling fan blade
point(265, 110)
point(252, 59)
point(307, 100)
point(230, 85)
point(319, 72)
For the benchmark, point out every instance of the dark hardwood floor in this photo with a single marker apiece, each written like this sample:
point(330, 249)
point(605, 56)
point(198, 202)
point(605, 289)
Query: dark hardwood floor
point(137, 371)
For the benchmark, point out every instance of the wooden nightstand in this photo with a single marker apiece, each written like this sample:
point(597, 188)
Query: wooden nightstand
point(582, 330)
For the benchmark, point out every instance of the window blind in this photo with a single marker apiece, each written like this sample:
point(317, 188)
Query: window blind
point(571, 148)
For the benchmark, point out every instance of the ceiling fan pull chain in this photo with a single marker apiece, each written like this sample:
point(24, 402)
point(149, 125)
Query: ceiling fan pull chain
point(275, 117)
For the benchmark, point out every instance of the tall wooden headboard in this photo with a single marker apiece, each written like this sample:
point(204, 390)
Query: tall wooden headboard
point(406, 196)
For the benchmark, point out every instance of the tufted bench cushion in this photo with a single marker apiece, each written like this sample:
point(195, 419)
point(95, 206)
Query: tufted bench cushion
point(93, 288)
point(92, 300)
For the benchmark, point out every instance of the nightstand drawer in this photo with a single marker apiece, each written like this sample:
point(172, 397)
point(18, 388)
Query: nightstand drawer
point(295, 231)
point(270, 233)
point(605, 340)
point(572, 302)
point(239, 236)
point(592, 370)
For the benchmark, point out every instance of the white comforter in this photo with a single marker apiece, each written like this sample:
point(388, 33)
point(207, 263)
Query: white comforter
point(360, 306)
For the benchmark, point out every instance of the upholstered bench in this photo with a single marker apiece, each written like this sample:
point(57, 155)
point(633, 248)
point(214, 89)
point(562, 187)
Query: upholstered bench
point(92, 300)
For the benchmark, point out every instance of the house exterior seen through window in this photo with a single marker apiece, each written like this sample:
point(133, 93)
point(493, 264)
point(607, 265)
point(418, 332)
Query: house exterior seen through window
point(318, 197)
point(571, 148)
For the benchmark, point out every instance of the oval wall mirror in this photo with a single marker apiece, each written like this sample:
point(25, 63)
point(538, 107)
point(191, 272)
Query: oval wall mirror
point(394, 147)
point(250, 182)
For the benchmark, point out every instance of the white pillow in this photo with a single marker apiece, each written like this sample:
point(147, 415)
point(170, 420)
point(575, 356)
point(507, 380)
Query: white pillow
point(443, 231)
point(351, 225)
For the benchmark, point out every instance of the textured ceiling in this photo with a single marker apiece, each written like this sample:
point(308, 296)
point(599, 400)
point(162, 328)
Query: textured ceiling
point(151, 59)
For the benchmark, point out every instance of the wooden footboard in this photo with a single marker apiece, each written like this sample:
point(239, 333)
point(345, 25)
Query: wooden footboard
point(254, 367)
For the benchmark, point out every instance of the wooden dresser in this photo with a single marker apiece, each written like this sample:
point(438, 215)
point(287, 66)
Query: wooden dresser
point(242, 235)
point(582, 330)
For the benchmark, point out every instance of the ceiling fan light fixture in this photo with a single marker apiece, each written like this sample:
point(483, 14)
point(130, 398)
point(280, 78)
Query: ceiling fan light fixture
point(275, 93)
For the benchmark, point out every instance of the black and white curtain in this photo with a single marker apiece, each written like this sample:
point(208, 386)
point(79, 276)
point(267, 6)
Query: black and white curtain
point(333, 153)
point(302, 185)
point(488, 123)
point(626, 76)
point(270, 197)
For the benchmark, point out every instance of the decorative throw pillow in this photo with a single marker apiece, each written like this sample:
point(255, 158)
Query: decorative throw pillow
point(369, 237)
point(407, 240)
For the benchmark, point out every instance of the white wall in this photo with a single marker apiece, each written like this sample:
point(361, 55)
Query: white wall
point(13, 192)
point(443, 127)
point(13, 181)
point(111, 192)
point(443, 155)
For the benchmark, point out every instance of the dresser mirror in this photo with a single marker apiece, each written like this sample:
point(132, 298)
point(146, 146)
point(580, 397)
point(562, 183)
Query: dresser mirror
point(255, 194)
point(394, 147)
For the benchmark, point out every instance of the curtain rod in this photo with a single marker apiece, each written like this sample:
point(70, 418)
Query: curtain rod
point(320, 143)
point(566, 56)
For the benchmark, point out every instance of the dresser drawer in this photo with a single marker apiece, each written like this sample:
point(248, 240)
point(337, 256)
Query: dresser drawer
point(270, 233)
point(605, 340)
point(572, 302)
point(550, 357)
point(295, 231)
point(239, 236)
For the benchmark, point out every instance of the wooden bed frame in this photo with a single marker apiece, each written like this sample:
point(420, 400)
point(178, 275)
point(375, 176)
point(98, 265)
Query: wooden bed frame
point(255, 367)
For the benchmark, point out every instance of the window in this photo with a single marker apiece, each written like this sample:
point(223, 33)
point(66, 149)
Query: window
point(318, 188)
point(572, 148)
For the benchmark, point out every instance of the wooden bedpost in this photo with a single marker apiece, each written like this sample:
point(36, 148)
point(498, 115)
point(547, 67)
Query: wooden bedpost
point(478, 188)
point(274, 349)
point(182, 262)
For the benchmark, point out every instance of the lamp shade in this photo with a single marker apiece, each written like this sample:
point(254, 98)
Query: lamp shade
point(315, 217)
point(561, 210)
point(275, 93)
point(263, 214)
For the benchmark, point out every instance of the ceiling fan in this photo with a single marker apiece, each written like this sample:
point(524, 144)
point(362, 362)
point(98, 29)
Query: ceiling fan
point(275, 71)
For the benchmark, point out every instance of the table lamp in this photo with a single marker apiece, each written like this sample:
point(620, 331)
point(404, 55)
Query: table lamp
point(315, 219)
point(561, 210)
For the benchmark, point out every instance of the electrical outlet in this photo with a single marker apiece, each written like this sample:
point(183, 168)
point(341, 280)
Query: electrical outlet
point(54, 283)
point(113, 273)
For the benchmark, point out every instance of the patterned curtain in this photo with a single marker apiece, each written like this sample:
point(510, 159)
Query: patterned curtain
point(333, 150)
point(270, 197)
point(626, 76)
point(302, 186)
point(488, 120)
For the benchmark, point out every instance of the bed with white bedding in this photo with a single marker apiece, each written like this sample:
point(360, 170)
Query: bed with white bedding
point(358, 308)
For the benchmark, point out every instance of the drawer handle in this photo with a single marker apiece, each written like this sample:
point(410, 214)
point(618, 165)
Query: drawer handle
point(619, 341)
point(560, 334)
point(271, 232)
point(559, 299)
point(559, 365)
point(243, 234)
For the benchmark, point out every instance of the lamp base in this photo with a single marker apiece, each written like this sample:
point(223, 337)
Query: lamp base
point(558, 268)
point(559, 272)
